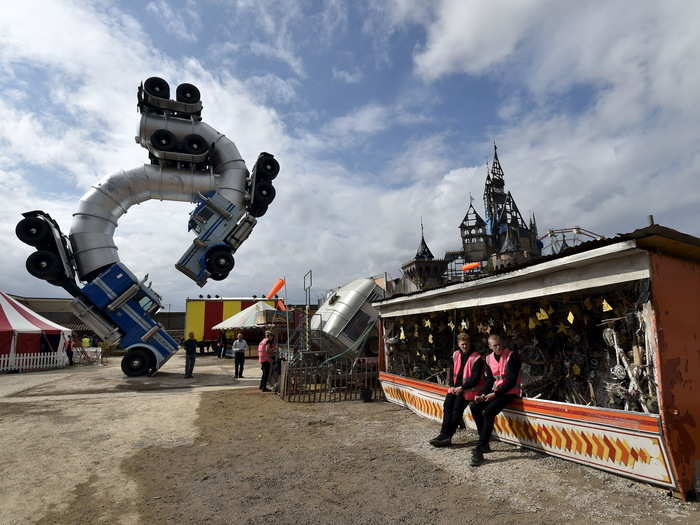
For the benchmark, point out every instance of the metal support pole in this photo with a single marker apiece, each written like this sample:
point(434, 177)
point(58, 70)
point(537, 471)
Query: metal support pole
point(308, 281)
point(289, 352)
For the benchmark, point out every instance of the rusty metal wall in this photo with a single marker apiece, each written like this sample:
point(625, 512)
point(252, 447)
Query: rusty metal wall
point(675, 297)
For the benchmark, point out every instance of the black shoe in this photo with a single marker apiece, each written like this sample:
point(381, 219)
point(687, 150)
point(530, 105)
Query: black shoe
point(441, 441)
point(477, 457)
point(486, 449)
point(266, 390)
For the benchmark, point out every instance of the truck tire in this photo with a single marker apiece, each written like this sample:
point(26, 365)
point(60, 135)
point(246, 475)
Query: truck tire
point(195, 144)
point(44, 265)
point(257, 209)
point(219, 260)
point(137, 362)
point(264, 193)
point(33, 231)
point(187, 93)
point(163, 140)
point(267, 167)
point(157, 87)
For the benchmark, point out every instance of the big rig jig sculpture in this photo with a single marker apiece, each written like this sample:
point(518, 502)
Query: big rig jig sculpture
point(189, 161)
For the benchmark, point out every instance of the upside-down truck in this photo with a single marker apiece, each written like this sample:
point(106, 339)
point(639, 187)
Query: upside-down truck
point(189, 161)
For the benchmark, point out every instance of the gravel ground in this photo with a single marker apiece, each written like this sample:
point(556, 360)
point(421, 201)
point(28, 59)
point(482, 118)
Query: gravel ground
point(88, 446)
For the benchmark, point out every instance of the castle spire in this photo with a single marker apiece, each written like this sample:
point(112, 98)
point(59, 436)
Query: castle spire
point(423, 252)
point(496, 170)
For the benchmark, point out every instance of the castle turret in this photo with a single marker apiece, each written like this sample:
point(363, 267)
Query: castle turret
point(475, 239)
point(424, 270)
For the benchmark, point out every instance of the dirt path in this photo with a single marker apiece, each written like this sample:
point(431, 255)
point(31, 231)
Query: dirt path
point(215, 453)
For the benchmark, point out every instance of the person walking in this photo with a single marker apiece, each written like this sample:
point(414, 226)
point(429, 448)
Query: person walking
point(221, 342)
point(240, 346)
point(190, 345)
point(502, 386)
point(266, 351)
point(69, 350)
point(467, 379)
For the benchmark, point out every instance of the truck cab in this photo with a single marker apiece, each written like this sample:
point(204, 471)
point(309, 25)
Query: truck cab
point(130, 305)
point(221, 228)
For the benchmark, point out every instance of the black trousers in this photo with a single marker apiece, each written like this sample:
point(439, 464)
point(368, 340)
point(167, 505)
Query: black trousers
point(189, 364)
point(452, 412)
point(485, 414)
point(239, 361)
point(265, 365)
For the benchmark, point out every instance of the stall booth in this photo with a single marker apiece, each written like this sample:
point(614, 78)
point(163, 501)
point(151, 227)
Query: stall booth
point(609, 337)
point(29, 341)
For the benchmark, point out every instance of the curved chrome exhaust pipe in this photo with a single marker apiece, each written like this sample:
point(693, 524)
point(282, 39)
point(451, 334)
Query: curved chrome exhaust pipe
point(229, 168)
point(92, 231)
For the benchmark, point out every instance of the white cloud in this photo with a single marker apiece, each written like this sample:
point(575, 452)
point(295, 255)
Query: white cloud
point(360, 124)
point(424, 159)
point(469, 36)
point(271, 89)
point(625, 143)
point(367, 120)
point(349, 77)
point(273, 30)
point(184, 21)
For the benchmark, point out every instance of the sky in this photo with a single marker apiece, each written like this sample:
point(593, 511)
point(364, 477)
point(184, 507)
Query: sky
point(379, 112)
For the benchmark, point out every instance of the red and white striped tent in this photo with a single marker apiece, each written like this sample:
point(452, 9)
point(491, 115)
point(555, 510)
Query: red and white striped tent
point(28, 340)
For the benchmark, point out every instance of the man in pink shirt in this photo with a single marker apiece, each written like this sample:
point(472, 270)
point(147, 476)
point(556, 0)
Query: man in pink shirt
point(266, 352)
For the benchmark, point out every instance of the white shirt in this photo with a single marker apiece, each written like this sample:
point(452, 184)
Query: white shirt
point(240, 344)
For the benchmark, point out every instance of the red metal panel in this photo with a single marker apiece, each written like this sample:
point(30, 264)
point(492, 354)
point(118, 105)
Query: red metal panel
point(675, 286)
point(213, 314)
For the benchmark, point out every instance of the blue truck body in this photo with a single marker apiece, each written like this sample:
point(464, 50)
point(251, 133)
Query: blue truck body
point(131, 305)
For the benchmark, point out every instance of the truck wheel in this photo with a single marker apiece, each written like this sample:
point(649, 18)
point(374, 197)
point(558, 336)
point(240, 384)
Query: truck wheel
point(219, 276)
point(44, 265)
point(195, 144)
point(257, 209)
point(219, 260)
point(32, 231)
point(163, 140)
point(187, 93)
point(267, 166)
point(137, 362)
point(157, 87)
point(264, 192)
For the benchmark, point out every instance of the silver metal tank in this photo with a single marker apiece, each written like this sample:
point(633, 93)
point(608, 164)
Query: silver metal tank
point(347, 315)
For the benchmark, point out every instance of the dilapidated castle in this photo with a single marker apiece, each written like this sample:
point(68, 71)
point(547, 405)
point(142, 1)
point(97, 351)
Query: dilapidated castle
point(498, 240)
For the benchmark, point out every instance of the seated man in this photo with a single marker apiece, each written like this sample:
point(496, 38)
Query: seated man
point(467, 378)
point(502, 386)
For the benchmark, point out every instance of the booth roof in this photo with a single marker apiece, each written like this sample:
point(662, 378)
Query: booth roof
point(15, 317)
point(246, 318)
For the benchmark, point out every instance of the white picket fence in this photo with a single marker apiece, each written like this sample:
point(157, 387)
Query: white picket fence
point(33, 361)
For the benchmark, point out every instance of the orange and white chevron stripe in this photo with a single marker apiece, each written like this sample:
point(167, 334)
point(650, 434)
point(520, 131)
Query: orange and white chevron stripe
point(638, 454)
